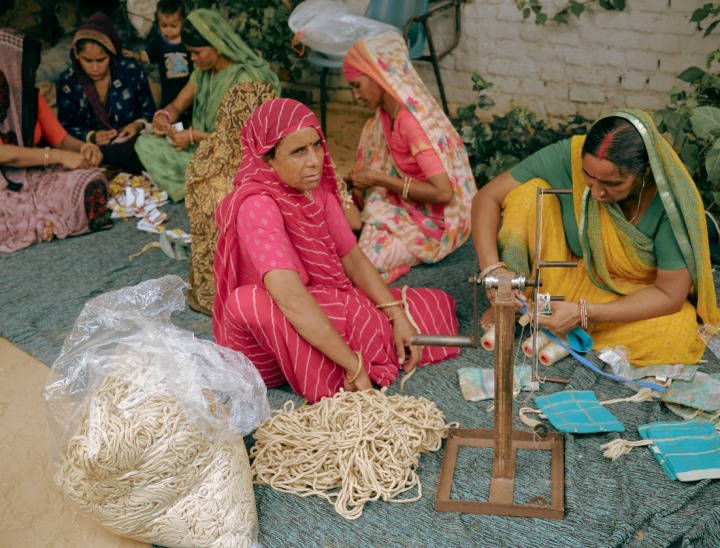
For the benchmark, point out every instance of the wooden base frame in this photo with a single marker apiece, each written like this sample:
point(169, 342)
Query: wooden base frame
point(501, 488)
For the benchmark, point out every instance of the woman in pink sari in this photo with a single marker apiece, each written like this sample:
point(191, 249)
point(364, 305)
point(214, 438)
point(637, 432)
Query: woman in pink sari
point(413, 174)
point(294, 291)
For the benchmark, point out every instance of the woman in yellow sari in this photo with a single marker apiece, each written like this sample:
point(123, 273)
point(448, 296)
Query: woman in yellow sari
point(635, 223)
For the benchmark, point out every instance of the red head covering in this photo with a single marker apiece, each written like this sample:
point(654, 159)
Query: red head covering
point(304, 219)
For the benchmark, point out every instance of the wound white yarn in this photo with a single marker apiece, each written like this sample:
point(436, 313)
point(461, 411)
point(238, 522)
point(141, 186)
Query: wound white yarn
point(619, 447)
point(528, 421)
point(349, 449)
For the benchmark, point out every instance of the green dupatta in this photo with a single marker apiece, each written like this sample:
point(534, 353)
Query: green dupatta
point(247, 67)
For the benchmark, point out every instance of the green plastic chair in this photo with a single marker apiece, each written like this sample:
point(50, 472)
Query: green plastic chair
point(411, 17)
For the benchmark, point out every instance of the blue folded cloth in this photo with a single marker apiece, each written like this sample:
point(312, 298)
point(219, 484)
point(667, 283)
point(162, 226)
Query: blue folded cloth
point(686, 450)
point(578, 412)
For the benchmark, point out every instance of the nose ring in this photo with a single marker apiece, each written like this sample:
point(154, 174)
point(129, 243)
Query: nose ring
point(602, 193)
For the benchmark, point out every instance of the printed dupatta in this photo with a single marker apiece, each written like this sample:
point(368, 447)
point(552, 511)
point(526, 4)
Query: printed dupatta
point(386, 60)
point(604, 232)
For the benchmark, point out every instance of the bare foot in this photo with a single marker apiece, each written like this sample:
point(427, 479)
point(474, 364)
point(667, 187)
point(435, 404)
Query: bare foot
point(47, 231)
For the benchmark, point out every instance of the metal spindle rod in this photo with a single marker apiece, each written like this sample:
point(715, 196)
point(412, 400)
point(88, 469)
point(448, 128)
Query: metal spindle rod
point(443, 340)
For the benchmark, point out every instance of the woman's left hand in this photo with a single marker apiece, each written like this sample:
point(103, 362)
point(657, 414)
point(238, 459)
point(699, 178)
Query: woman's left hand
point(408, 355)
point(92, 154)
point(565, 316)
point(362, 382)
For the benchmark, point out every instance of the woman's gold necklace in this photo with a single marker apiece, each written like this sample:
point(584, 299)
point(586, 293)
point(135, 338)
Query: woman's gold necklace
point(637, 209)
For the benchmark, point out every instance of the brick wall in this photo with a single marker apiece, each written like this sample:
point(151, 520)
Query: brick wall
point(600, 61)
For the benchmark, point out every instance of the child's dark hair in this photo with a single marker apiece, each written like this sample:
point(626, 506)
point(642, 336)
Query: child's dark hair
point(169, 7)
point(615, 139)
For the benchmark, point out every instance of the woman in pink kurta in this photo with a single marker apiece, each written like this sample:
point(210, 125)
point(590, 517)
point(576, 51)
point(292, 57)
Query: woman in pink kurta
point(294, 291)
point(412, 174)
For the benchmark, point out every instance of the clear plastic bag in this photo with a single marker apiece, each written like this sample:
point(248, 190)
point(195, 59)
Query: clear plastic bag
point(330, 27)
point(146, 422)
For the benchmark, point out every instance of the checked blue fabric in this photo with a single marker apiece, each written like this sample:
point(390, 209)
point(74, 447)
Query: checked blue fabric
point(578, 412)
point(686, 450)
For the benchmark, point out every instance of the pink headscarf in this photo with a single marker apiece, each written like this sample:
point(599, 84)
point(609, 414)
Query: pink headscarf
point(304, 219)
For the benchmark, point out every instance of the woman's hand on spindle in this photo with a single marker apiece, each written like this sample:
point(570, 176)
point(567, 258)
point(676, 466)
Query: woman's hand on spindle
point(565, 316)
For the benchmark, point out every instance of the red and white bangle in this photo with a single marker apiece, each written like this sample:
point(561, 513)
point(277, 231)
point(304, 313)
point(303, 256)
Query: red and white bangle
point(583, 314)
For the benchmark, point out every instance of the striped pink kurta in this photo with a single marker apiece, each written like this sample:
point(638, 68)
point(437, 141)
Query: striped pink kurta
point(266, 225)
point(256, 326)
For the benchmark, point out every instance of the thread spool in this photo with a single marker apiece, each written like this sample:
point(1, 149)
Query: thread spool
point(527, 345)
point(552, 353)
point(487, 341)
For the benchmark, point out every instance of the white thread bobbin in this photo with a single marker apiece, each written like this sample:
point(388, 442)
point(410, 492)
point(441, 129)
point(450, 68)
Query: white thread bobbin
point(487, 341)
point(552, 353)
point(542, 342)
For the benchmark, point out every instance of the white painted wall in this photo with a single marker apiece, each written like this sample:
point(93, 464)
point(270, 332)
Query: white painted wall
point(602, 60)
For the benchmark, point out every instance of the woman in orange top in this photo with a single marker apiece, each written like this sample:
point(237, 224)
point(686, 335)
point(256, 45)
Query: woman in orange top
point(39, 201)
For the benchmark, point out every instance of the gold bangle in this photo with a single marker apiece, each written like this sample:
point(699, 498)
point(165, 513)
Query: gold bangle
point(488, 269)
point(192, 141)
point(46, 157)
point(90, 137)
point(359, 368)
point(389, 304)
point(406, 187)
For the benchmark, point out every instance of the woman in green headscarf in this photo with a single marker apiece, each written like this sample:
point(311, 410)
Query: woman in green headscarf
point(221, 60)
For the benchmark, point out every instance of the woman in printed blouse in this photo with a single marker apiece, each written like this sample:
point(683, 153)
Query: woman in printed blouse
point(412, 173)
point(47, 187)
point(104, 98)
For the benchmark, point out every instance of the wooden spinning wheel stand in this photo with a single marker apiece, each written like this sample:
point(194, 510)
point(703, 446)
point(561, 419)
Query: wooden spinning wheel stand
point(503, 439)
